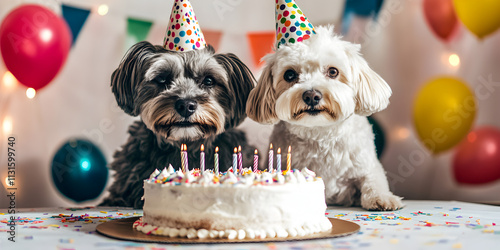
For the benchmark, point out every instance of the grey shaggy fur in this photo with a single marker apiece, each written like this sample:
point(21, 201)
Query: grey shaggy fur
point(151, 144)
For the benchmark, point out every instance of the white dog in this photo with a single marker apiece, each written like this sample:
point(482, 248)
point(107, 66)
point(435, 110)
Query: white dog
point(319, 93)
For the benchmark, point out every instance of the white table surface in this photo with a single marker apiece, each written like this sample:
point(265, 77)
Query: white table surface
point(420, 225)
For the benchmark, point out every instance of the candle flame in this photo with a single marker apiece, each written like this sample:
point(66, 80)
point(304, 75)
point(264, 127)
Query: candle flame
point(216, 149)
point(256, 151)
point(279, 150)
point(202, 147)
point(271, 146)
point(289, 149)
point(235, 150)
point(239, 148)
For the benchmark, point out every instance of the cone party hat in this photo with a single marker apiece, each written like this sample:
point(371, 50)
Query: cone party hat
point(292, 25)
point(183, 32)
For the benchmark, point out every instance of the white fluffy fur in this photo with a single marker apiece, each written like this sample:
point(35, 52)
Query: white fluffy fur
point(337, 145)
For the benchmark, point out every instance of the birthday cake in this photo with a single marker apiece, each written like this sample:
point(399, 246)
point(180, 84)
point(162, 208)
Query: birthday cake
point(233, 206)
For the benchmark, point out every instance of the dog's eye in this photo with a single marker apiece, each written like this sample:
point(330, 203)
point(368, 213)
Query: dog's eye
point(208, 81)
point(290, 75)
point(333, 72)
point(161, 79)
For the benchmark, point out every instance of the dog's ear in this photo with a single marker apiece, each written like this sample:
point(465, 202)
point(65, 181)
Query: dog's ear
point(241, 82)
point(262, 100)
point(129, 74)
point(372, 92)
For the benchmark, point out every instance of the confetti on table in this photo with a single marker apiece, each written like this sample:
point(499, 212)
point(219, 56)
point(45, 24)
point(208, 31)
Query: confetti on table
point(374, 217)
point(428, 223)
point(24, 220)
point(394, 241)
point(421, 213)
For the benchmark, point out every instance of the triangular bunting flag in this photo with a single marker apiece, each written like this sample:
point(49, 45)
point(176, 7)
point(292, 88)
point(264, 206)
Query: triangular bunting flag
point(363, 8)
point(75, 17)
point(213, 38)
point(261, 43)
point(137, 31)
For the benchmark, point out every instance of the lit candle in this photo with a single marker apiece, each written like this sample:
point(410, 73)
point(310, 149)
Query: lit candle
point(202, 159)
point(186, 157)
point(271, 158)
point(278, 161)
point(255, 160)
point(240, 159)
point(216, 161)
point(289, 159)
point(183, 162)
point(235, 160)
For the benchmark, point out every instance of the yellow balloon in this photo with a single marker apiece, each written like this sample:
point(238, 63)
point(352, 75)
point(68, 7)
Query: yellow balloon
point(443, 113)
point(481, 17)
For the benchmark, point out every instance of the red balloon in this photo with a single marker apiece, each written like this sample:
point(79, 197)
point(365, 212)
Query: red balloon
point(477, 160)
point(441, 17)
point(34, 43)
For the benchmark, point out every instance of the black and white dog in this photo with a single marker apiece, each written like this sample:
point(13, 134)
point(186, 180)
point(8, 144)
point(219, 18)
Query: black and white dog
point(194, 97)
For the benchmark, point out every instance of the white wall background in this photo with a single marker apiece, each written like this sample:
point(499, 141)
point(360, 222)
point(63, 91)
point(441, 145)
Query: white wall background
point(400, 47)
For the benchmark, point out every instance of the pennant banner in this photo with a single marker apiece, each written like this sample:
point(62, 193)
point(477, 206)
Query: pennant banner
point(137, 31)
point(363, 8)
point(75, 17)
point(213, 38)
point(260, 44)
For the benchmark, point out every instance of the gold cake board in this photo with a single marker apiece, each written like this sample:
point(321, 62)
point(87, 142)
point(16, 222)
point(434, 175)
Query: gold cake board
point(122, 229)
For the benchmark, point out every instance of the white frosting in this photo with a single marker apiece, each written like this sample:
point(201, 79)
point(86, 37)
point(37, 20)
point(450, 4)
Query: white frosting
point(164, 174)
point(193, 233)
point(213, 234)
point(154, 174)
point(174, 232)
point(250, 206)
point(183, 232)
point(170, 169)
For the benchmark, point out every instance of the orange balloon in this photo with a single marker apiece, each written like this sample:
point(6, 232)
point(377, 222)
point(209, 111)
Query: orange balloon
point(441, 18)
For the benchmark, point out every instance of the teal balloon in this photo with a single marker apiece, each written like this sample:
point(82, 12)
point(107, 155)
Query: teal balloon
point(379, 136)
point(79, 170)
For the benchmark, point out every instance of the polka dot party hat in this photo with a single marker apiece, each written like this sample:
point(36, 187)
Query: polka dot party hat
point(292, 25)
point(183, 32)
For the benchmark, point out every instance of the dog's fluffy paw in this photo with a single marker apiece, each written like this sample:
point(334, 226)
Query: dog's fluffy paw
point(381, 202)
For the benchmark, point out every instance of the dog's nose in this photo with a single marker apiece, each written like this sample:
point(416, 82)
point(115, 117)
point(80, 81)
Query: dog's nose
point(312, 97)
point(186, 107)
